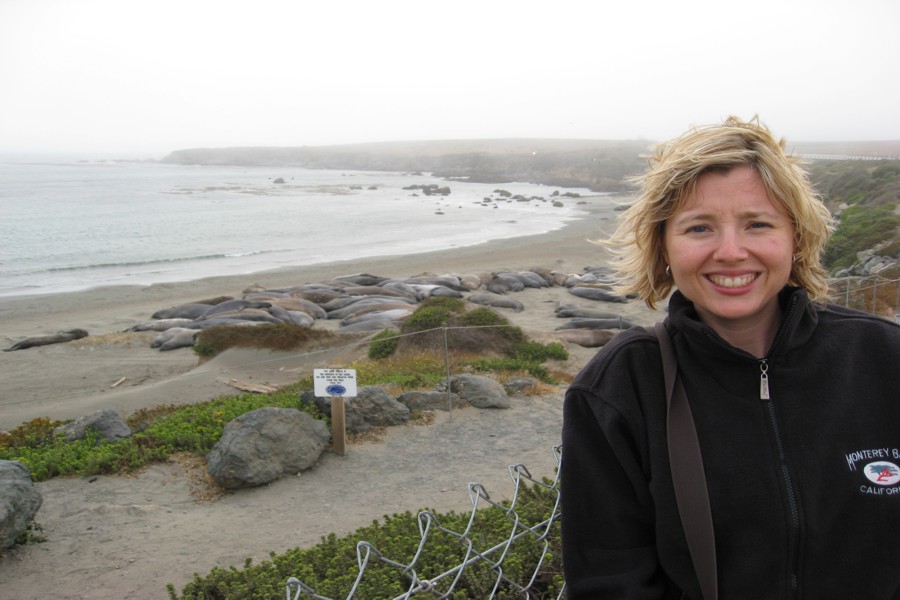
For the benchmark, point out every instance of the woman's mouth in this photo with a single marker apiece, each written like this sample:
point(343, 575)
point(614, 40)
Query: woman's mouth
point(732, 282)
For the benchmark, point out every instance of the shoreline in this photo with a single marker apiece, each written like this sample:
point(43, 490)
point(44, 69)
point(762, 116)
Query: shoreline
point(566, 248)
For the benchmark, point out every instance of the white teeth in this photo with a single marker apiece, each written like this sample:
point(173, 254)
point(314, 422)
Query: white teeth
point(732, 282)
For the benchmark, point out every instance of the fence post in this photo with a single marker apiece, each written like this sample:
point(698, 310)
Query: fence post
point(447, 367)
point(338, 426)
point(875, 296)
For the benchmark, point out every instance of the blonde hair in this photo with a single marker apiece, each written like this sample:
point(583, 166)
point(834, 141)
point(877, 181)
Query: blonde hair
point(670, 181)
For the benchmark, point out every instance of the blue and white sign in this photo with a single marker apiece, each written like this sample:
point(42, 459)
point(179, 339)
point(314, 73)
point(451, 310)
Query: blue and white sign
point(336, 390)
point(334, 382)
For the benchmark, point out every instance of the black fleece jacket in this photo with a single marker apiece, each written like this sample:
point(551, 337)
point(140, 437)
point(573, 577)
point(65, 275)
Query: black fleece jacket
point(804, 486)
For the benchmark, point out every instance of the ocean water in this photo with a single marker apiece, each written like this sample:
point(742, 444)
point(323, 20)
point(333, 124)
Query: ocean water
point(68, 226)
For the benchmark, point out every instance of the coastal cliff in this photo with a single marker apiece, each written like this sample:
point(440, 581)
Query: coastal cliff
point(599, 165)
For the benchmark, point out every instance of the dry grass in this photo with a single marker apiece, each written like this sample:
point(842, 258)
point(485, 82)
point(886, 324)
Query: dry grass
point(270, 336)
point(128, 339)
point(203, 488)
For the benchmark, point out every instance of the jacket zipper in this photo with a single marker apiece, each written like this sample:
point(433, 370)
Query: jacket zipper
point(785, 472)
point(765, 395)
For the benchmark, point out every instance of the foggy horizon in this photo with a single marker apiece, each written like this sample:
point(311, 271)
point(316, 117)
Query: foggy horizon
point(111, 79)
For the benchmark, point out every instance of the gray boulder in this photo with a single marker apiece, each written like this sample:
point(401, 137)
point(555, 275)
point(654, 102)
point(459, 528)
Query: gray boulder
point(480, 392)
point(265, 444)
point(372, 407)
point(106, 423)
point(429, 400)
point(19, 501)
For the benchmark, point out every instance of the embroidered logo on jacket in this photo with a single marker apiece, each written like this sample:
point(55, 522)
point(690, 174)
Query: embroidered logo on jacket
point(878, 470)
point(883, 473)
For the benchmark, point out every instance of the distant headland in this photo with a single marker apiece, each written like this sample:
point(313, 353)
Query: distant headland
point(599, 165)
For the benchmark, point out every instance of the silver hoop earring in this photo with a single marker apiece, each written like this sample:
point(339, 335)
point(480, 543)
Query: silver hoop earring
point(668, 271)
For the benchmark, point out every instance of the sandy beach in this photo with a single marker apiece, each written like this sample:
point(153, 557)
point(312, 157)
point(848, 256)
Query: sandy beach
point(114, 537)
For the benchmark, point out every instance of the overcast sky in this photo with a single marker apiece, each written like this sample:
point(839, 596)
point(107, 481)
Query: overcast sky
point(150, 76)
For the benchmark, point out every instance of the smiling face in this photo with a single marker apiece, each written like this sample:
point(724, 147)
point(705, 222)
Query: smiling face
point(730, 251)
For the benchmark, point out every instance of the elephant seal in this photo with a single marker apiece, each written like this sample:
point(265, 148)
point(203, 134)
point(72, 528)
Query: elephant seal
point(361, 279)
point(317, 296)
point(403, 288)
point(225, 320)
point(427, 290)
point(191, 310)
point(161, 324)
point(244, 314)
point(595, 293)
point(571, 311)
point(361, 308)
point(470, 281)
point(589, 338)
point(233, 305)
point(373, 290)
point(394, 314)
point(497, 301)
point(43, 340)
point(301, 319)
point(339, 303)
point(448, 281)
point(505, 281)
point(617, 323)
point(177, 337)
point(531, 279)
point(369, 325)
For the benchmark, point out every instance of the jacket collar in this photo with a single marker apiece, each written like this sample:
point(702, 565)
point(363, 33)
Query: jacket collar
point(799, 320)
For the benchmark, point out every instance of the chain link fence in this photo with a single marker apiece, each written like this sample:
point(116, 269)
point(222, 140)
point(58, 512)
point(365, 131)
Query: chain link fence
point(445, 584)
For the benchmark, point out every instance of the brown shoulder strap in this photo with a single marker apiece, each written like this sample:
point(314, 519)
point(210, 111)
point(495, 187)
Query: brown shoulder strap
point(688, 477)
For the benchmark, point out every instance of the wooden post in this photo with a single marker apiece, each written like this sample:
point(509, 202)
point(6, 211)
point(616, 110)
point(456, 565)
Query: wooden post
point(338, 425)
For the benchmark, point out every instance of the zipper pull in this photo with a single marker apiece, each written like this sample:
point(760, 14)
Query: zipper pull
point(764, 380)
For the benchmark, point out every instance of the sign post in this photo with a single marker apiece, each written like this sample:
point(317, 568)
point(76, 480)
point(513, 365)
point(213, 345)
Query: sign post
point(336, 384)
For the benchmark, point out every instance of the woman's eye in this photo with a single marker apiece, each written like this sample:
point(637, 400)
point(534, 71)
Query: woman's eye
point(759, 225)
point(698, 229)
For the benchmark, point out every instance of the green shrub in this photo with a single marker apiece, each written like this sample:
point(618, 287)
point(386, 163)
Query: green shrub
point(204, 349)
point(383, 344)
point(534, 369)
point(331, 568)
point(538, 352)
point(482, 317)
point(860, 228)
point(433, 313)
point(190, 428)
point(525, 356)
point(410, 371)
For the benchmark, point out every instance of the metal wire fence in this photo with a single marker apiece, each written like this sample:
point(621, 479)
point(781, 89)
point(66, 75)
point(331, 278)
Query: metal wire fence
point(874, 294)
point(446, 583)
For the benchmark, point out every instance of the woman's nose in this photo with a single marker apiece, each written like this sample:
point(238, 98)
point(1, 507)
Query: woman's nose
point(731, 247)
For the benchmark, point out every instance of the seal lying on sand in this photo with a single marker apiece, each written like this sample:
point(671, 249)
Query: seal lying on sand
point(568, 311)
point(581, 323)
point(588, 338)
point(497, 301)
point(595, 293)
point(43, 340)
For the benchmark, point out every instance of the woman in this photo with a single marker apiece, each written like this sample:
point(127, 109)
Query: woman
point(796, 403)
